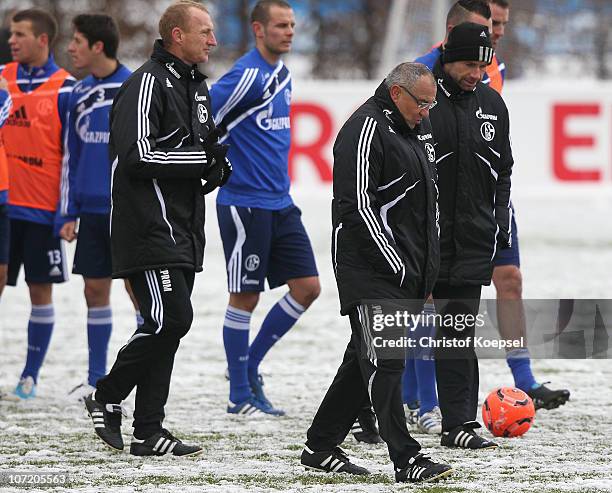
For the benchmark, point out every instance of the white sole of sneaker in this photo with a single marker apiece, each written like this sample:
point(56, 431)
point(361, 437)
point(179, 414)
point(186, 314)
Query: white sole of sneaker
point(193, 454)
point(440, 476)
point(322, 471)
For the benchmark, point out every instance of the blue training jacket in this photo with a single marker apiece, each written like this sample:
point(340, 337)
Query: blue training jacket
point(86, 187)
point(252, 102)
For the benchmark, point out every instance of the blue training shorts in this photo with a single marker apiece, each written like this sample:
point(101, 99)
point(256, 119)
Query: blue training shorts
point(41, 253)
point(509, 256)
point(92, 258)
point(262, 244)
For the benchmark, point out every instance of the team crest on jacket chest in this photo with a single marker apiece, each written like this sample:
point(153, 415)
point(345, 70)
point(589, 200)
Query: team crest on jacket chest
point(487, 130)
point(431, 152)
point(202, 113)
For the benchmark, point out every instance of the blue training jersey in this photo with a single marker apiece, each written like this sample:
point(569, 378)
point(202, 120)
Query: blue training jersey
point(430, 59)
point(252, 102)
point(86, 185)
point(29, 79)
point(6, 104)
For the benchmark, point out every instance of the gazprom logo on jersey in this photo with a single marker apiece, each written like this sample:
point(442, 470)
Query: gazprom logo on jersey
point(91, 137)
point(266, 122)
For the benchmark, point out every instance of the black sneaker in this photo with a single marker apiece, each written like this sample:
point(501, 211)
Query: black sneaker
point(330, 461)
point(464, 436)
point(421, 468)
point(106, 420)
point(545, 398)
point(365, 429)
point(162, 443)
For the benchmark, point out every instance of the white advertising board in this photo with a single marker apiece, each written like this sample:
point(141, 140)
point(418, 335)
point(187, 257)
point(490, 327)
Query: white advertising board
point(561, 134)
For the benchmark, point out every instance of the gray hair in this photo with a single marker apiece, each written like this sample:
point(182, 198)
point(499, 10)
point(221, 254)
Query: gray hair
point(407, 74)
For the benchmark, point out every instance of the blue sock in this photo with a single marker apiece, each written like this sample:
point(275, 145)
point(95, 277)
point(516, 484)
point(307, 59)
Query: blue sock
point(426, 378)
point(520, 363)
point(99, 327)
point(425, 364)
point(409, 383)
point(236, 342)
point(281, 317)
point(40, 329)
point(139, 319)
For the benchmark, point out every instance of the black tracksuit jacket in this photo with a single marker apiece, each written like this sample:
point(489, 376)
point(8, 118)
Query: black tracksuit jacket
point(474, 163)
point(384, 210)
point(159, 120)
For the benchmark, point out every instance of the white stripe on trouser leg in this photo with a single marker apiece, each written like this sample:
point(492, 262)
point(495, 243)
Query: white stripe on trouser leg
point(157, 307)
point(149, 276)
point(367, 340)
point(161, 305)
point(370, 384)
point(235, 264)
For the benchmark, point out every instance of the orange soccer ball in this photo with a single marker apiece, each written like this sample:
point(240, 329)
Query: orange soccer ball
point(508, 412)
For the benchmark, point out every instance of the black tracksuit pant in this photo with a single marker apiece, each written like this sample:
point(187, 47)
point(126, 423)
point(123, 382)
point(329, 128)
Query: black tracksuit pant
point(146, 361)
point(456, 368)
point(358, 380)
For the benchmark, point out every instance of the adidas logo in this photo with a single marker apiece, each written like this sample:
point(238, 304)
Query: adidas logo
point(19, 118)
point(168, 83)
point(483, 34)
point(20, 112)
point(55, 271)
point(164, 446)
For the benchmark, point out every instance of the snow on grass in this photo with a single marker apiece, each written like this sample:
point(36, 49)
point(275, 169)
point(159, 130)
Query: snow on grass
point(567, 450)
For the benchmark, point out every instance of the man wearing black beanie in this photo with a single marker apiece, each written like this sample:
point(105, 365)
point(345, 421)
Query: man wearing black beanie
point(471, 128)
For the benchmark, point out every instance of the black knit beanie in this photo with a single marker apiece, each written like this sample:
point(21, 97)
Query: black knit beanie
point(468, 42)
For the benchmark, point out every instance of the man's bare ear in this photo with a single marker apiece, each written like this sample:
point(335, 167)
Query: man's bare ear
point(394, 92)
point(258, 29)
point(98, 47)
point(43, 38)
point(177, 35)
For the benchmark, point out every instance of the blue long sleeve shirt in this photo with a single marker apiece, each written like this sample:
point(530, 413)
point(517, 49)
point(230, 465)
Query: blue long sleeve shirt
point(86, 186)
point(252, 101)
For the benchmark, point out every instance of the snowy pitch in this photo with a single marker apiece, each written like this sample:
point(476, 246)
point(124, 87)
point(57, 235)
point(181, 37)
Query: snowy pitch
point(566, 250)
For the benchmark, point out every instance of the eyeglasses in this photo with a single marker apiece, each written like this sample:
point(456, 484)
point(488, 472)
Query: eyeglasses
point(422, 105)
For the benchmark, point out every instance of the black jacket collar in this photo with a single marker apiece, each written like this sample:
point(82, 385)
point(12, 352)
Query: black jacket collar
point(384, 101)
point(174, 65)
point(446, 83)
